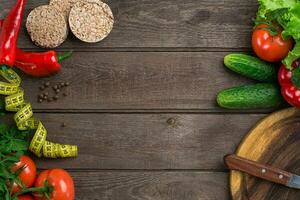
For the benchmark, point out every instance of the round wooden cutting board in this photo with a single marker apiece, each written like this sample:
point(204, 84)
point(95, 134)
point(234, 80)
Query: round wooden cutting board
point(275, 141)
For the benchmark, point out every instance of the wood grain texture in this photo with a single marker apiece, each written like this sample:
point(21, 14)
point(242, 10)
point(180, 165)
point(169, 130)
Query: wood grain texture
point(147, 141)
point(274, 141)
point(116, 185)
point(168, 23)
point(139, 80)
point(149, 156)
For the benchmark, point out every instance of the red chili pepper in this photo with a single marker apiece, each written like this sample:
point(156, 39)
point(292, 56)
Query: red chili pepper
point(290, 83)
point(9, 34)
point(38, 64)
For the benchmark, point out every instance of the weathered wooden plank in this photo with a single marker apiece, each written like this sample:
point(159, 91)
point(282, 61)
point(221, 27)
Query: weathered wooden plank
point(168, 23)
point(116, 185)
point(147, 141)
point(139, 80)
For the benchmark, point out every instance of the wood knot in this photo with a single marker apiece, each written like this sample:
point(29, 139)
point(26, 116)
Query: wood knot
point(171, 121)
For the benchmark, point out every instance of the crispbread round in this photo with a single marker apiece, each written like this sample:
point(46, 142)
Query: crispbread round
point(64, 6)
point(88, 1)
point(92, 1)
point(47, 27)
point(91, 22)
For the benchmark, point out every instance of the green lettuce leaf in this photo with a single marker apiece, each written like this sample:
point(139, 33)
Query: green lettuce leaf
point(292, 56)
point(267, 6)
point(292, 26)
point(292, 29)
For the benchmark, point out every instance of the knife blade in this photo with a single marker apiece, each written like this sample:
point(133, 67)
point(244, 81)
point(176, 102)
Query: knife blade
point(294, 182)
point(262, 171)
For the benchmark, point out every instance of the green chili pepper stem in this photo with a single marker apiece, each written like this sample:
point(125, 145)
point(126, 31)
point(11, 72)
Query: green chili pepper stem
point(64, 56)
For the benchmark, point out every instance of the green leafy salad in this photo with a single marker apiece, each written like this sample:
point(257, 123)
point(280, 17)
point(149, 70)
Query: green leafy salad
point(287, 14)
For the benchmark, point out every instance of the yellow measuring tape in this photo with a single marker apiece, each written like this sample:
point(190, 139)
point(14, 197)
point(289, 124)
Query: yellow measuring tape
point(15, 102)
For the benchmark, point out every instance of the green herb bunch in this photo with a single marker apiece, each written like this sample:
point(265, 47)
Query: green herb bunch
point(13, 144)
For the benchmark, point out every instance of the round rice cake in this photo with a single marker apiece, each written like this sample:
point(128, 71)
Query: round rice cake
point(92, 1)
point(47, 27)
point(87, 1)
point(64, 6)
point(91, 22)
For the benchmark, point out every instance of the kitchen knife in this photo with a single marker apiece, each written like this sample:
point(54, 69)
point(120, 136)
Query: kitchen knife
point(262, 171)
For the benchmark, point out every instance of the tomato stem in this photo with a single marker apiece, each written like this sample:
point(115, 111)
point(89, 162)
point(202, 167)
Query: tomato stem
point(45, 190)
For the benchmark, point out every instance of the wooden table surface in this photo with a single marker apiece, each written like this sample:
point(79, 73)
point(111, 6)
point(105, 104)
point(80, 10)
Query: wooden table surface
point(142, 102)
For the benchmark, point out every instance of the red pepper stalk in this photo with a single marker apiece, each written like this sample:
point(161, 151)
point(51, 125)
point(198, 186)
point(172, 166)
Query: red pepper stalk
point(39, 64)
point(9, 34)
point(289, 81)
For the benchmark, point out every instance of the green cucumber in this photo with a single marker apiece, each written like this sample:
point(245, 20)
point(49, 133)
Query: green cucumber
point(261, 95)
point(251, 67)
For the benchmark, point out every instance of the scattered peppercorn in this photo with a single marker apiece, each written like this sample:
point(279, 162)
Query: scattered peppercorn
point(46, 95)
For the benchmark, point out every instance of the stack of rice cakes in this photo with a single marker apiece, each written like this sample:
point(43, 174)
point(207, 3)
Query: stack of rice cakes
point(89, 20)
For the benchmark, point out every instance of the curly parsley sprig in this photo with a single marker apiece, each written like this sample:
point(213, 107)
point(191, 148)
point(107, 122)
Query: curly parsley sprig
point(13, 144)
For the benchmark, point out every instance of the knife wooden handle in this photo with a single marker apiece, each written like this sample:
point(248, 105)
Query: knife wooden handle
point(258, 170)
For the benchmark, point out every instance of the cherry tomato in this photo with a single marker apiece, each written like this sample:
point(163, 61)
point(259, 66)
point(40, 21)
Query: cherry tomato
point(25, 197)
point(28, 174)
point(270, 48)
point(60, 180)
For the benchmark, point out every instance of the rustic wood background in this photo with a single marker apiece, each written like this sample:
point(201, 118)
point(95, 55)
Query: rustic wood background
point(142, 102)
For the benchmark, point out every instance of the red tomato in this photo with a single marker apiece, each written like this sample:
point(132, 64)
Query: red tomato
point(270, 48)
point(25, 197)
point(28, 174)
point(60, 180)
